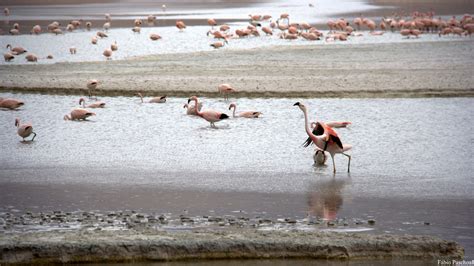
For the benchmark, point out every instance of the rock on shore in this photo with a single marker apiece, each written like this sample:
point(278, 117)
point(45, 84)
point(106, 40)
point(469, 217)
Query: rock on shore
point(155, 245)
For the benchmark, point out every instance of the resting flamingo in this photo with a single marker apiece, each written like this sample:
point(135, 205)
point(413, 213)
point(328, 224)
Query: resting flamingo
point(79, 114)
point(161, 99)
point(326, 139)
point(99, 104)
point(10, 103)
point(24, 130)
point(209, 115)
point(246, 114)
point(190, 110)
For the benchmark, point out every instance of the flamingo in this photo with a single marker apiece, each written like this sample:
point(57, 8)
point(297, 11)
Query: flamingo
point(114, 46)
point(10, 103)
point(209, 115)
point(190, 110)
point(6, 11)
point(225, 89)
point(161, 99)
point(8, 56)
point(325, 138)
point(72, 50)
point(218, 45)
point(155, 37)
point(24, 130)
point(88, 25)
point(16, 50)
point(36, 29)
point(31, 58)
point(180, 25)
point(137, 29)
point(107, 53)
point(92, 85)
point(79, 114)
point(246, 114)
point(212, 22)
point(94, 40)
point(106, 26)
point(99, 104)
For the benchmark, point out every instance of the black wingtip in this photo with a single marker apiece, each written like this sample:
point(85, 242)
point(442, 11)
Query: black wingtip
point(296, 104)
point(223, 116)
point(308, 142)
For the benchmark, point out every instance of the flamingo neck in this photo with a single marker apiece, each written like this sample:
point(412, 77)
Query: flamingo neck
point(315, 139)
point(196, 107)
point(233, 113)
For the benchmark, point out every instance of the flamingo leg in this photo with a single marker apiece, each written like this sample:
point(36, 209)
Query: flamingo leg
point(349, 163)
point(33, 136)
point(333, 164)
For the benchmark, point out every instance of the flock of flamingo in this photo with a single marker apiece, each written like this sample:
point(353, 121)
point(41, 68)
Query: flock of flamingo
point(339, 30)
point(323, 134)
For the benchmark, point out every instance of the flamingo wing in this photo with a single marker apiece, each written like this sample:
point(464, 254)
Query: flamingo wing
point(318, 130)
point(322, 129)
point(338, 124)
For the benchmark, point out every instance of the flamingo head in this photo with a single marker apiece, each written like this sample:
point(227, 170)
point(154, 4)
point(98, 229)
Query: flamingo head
point(185, 105)
point(232, 105)
point(193, 98)
point(81, 100)
point(17, 122)
point(300, 105)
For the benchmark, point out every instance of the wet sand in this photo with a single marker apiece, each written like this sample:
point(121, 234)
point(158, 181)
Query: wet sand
point(155, 245)
point(428, 69)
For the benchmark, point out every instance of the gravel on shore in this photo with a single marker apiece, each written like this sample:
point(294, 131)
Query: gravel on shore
point(406, 69)
point(153, 245)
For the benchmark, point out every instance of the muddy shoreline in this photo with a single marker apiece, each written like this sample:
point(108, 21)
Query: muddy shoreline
point(153, 245)
point(408, 69)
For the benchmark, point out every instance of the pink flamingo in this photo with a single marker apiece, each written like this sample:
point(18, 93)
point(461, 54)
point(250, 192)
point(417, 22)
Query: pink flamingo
point(92, 105)
point(209, 115)
point(190, 110)
point(225, 89)
point(8, 56)
point(180, 25)
point(91, 86)
point(10, 103)
point(247, 114)
point(161, 99)
point(79, 114)
point(24, 130)
point(325, 138)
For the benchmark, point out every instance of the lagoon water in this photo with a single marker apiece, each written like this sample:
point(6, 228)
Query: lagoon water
point(411, 161)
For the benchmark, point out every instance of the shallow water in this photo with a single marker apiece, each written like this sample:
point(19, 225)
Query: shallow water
point(419, 148)
point(194, 39)
point(411, 162)
point(130, 10)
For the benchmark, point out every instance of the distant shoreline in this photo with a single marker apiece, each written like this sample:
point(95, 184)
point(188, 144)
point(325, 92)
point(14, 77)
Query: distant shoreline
point(408, 70)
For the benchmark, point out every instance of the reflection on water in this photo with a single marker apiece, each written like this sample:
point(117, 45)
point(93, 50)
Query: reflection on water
point(325, 198)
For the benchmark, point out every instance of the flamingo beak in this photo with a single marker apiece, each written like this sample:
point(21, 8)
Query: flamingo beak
point(189, 100)
point(296, 104)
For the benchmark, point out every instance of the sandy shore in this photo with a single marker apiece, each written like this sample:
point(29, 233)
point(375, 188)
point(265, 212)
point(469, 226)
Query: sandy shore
point(152, 245)
point(377, 70)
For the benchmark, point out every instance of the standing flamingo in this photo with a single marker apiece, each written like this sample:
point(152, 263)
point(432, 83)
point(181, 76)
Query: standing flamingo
point(246, 114)
point(24, 130)
point(326, 139)
point(209, 115)
point(225, 89)
point(91, 86)
point(190, 110)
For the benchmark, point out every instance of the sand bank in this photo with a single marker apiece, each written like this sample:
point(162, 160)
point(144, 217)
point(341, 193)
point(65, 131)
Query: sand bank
point(152, 245)
point(405, 69)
